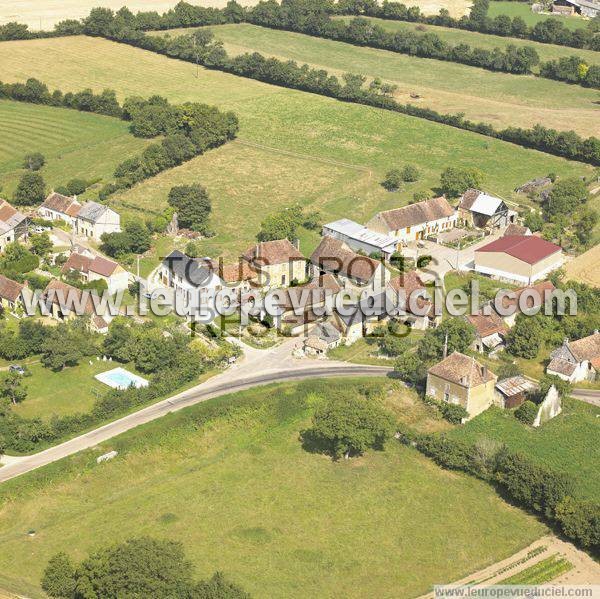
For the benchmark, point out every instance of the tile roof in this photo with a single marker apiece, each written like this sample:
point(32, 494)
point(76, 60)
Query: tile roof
point(543, 288)
point(60, 203)
point(409, 282)
point(561, 367)
point(63, 293)
point(10, 290)
point(10, 217)
point(103, 266)
point(311, 294)
point(76, 262)
point(415, 214)
point(462, 370)
point(334, 255)
point(514, 229)
point(486, 325)
point(235, 272)
point(278, 251)
point(587, 348)
point(85, 264)
point(528, 248)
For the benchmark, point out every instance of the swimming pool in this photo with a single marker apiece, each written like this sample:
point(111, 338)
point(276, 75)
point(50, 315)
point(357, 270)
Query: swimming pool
point(119, 378)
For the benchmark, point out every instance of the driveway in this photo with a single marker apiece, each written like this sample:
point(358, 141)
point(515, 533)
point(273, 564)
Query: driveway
point(256, 368)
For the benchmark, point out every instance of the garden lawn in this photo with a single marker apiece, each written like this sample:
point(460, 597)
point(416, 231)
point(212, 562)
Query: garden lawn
point(486, 40)
point(243, 497)
point(523, 10)
point(75, 144)
point(498, 98)
point(567, 443)
point(69, 391)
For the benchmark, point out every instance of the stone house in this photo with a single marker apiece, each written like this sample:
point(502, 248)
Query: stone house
point(59, 207)
point(576, 361)
point(400, 290)
point(461, 380)
point(13, 224)
point(11, 295)
point(277, 263)
point(93, 220)
point(97, 268)
point(482, 210)
point(530, 297)
point(490, 331)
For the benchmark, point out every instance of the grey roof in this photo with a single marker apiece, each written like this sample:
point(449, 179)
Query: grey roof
point(515, 385)
point(585, 3)
point(353, 230)
point(92, 211)
point(327, 332)
point(373, 305)
point(486, 204)
point(194, 271)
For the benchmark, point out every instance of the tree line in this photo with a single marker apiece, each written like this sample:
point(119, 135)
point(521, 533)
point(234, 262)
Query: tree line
point(537, 488)
point(187, 130)
point(200, 47)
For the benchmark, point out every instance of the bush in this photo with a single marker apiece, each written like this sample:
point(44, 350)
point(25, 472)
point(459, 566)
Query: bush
point(393, 180)
point(34, 162)
point(527, 412)
point(410, 173)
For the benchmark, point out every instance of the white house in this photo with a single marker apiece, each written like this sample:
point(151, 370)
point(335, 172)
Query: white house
point(13, 224)
point(416, 221)
point(359, 238)
point(59, 207)
point(576, 361)
point(97, 268)
point(93, 220)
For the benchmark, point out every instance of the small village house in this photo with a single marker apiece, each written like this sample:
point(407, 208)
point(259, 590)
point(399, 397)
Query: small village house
point(277, 262)
point(409, 285)
point(12, 295)
point(490, 331)
point(97, 268)
point(334, 256)
point(322, 338)
point(518, 258)
point(59, 207)
point(13, 224)
point(576, 361)
point(93, 220)
point(585, 8)
point(360, 319)
point(515, 229)
point(462, 380)
point(360, 239)
point(415, 221)
point(484, 211)
point(513, 391)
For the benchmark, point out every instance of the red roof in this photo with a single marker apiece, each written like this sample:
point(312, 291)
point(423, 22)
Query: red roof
point(528, 248)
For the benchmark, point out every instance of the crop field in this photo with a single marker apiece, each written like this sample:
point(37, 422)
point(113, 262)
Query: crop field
point(585, 268)
point(244, 497)
point(484, 40)
point(498, 98)
point(523, 10)
point(75, 144)
point(566, 443)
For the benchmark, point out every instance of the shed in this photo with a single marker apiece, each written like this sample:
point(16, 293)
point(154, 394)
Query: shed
point(513, 391)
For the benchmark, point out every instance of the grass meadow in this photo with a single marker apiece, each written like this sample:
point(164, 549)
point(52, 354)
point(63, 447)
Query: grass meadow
point(523, 10)
point(243, 496)
point(75, 144)
point(293, 146)
point(567, 443)
point(498, 98)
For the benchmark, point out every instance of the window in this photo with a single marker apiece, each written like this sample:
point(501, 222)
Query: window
point(283, 279)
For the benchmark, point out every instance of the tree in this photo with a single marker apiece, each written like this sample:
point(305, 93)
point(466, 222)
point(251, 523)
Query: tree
point(138, 237)
point(281, 225)
point(393, 180)
point(565, 197)
point(30, 190)
point(563, 387)
point(34, 162)
point(76, 187)
point(59, 576)
point(347, 426)
point(410, 173)
point(456, 332)
point(11, 388)
point(527, 412)
point(217, 587)
point(454, 181)
point(41, 245)
point(411, 369)
point(17, 260)
point(524, 340)
point(60, 349)
point(533, 220)
point(192, 204)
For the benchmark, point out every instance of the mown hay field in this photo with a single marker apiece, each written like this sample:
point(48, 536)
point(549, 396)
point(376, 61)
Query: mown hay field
point(501, 99)
point(585, 268)
point(244, 497)
point(303, 132)
point(75, 144)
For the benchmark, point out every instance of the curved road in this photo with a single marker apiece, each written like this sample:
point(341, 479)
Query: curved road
point(20, 465)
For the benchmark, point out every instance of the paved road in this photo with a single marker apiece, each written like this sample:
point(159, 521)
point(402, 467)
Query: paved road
point(240, 378)
point(591, 396)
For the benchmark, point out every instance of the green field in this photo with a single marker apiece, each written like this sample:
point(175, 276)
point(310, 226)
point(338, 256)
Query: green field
point(75, 144)
point(242, 496)
point(488, 41)
point(567, 443)
point(497, 98)
point(294, 139)
point(523, 10)
point(543, 572)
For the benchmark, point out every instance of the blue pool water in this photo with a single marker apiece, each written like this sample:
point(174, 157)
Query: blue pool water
point(119, 378)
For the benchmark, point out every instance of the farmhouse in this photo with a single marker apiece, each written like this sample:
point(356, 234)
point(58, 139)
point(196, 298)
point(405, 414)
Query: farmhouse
point(93, 220)
point(489, 331)
point(277, 262)
point(65, 301)
point(461, 380)
point(96, 268)
point(334, 256)
point(359, 238)
point(401, 289)
point(519, 258)
point(11, 294)
point(481, 210)
point(416, 221)
point(13, 224)
point(585, 8)
point(576, 361)
point(59, 207)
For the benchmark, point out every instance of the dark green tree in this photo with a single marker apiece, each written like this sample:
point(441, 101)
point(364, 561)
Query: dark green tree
point(192, 204)
point(59, 577)
point(34, 161)
point(30, 190)
point(393, 180)
point(454, 181)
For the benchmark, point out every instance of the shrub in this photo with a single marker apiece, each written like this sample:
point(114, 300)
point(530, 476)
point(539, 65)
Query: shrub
point(527, 412)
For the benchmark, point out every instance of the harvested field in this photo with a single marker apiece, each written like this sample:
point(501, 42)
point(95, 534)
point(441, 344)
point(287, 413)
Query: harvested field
point(585, 268)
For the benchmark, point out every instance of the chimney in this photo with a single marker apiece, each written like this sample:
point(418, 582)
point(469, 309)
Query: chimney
point(484, 371)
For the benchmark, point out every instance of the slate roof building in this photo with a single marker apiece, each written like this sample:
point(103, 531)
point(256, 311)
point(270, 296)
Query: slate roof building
point(93, 220)
point(415, 221)
point(13, 224)
point(585, 8)
point(576, 361)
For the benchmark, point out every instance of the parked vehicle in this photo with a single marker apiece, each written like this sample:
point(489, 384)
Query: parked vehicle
point(16, 368)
